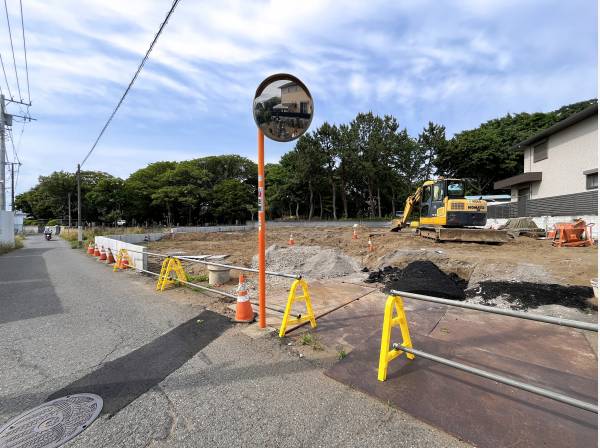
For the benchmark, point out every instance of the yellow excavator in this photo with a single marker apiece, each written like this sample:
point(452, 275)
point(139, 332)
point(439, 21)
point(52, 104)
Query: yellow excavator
point(444, 214)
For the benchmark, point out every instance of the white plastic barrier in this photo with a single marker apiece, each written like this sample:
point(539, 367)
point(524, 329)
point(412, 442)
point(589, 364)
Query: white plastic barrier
point(138, 259)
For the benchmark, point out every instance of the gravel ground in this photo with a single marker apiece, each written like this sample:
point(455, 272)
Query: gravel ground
point(314, 262)
point(65, 316)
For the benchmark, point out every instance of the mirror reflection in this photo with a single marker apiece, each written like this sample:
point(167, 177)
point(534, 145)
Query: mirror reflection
point(283, 107)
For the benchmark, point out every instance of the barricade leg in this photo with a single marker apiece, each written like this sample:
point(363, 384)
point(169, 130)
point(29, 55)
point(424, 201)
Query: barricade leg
point(170, 265)
point(161, 276)
point(310, 315)
point(385, 354)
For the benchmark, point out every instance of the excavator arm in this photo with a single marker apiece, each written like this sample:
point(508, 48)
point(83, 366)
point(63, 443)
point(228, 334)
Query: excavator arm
point(409, 205)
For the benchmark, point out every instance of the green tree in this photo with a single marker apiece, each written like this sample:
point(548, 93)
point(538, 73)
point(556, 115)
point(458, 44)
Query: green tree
point(327, 138)
point(485, 154)
point(432, 140)
point(230, 199)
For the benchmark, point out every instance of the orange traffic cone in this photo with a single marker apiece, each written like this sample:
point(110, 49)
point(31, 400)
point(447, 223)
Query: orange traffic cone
point(291, 240)
point(96, 251)
point(243, 307)
point(370, 243)
point(90, 249)
point(102, 255)
point(124, 263)
point(111, 258)
point(354, 234)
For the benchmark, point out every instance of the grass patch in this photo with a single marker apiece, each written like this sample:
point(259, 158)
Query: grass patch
point(341, 354)
point(197, 278)
point(6, 248)
point(19, 241)
point(310, 340)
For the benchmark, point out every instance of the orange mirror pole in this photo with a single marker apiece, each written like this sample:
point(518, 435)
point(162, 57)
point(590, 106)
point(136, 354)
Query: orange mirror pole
point(262, 231)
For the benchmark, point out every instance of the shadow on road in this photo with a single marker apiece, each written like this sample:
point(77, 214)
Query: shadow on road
point(26, 290)
point(121, 381)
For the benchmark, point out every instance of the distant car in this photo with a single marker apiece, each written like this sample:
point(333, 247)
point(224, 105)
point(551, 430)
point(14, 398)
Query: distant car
point(121, 222)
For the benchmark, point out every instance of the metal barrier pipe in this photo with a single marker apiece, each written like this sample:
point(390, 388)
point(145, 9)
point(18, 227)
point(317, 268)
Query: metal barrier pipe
point(239, 268)
point(501, 379)
point(489, 309)
point(216, 291)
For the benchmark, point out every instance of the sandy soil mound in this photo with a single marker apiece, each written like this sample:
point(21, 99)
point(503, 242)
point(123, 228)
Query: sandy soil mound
point(310, 261)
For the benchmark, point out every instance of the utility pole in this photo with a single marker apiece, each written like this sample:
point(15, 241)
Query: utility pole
point(12, 187)
point(79, 229)
point(2, 155)
point(69, 207)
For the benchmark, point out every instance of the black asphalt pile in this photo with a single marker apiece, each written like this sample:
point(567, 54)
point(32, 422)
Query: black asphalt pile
point(420, 277)
point(525, 295)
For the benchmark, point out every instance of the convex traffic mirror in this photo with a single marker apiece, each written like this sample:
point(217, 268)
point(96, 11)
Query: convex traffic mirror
point(283, 107)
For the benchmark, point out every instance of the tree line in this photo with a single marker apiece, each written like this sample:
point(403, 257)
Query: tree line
point(362, 169)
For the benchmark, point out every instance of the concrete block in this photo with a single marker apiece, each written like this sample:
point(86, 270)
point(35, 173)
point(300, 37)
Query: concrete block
point(218, 275)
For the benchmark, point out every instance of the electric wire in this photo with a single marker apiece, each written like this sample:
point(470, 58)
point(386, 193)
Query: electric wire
point(12, 48)
point(12, 142)
point(25, 53)
point(139, 69)
point(5, 77)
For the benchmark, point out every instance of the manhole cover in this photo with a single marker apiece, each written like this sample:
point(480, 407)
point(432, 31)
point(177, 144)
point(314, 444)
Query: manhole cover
point(51, 424)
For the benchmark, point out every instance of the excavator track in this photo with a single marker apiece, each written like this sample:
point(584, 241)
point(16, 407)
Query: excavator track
point(464, 234)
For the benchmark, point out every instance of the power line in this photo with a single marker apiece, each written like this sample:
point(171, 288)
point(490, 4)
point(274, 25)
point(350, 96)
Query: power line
point(5, 77)
point(12, 48)
point(25, 52)
point(139, 69)
point(12, 142)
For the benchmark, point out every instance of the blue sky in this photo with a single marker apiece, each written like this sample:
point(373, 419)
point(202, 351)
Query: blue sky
point(458, 63)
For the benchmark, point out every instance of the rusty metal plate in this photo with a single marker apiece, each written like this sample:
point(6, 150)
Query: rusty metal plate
point(349, 326)
point(477, 410)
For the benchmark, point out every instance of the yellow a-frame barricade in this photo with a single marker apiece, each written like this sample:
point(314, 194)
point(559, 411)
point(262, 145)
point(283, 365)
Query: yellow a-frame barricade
point(310, 315)
point(385, 354)
point(169, 265)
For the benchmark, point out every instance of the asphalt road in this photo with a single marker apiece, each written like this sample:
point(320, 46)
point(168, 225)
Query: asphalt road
point(172, 374)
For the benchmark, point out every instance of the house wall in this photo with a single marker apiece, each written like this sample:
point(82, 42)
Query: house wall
point(297, 97)
point(570, 152)
point(575, 204)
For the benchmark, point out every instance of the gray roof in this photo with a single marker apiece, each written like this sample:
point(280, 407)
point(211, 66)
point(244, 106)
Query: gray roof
point(523, 178)
point(288, 84)
point(557, 127)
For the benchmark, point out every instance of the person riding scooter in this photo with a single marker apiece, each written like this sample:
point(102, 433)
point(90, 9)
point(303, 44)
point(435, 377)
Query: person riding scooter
point(48, 233)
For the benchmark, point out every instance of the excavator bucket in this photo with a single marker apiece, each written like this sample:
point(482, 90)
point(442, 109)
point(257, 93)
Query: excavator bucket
point(465, 234)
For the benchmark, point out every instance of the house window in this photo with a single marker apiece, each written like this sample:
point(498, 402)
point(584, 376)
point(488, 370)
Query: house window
point(540, 152)
point(591, 181)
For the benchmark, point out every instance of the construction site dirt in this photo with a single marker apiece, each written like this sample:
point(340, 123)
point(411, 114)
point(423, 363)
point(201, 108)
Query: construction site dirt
point(522, 259)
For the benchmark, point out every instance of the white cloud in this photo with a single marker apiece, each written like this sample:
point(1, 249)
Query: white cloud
point(456, 62)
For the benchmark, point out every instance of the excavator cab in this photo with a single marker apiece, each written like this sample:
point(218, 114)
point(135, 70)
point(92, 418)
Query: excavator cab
point(443, 204)
point(434, 195)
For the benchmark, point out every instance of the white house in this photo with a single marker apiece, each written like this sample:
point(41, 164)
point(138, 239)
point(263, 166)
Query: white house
point(560, 176)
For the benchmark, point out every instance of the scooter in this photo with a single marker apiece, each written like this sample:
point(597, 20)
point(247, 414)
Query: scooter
point(48, 236)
